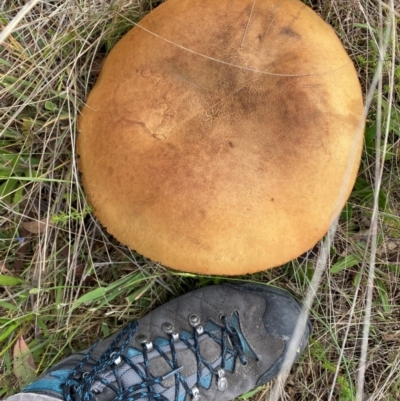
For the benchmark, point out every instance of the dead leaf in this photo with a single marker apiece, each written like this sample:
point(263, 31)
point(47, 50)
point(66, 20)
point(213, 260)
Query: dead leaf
point(392, 336)
point(79, 271)
point(3, 269)
point(23, 364)
point(391, 244)
point(35, 226)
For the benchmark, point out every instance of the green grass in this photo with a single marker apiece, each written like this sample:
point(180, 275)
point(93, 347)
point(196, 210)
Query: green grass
point(64, 281)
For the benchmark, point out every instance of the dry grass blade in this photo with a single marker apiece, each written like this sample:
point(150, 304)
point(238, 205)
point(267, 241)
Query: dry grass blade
point(10, 27)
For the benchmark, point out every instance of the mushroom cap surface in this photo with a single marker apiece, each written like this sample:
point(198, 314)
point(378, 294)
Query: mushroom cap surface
point(222, 137)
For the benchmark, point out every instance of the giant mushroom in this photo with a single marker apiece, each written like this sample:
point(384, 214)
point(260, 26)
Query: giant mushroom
point(222, 137)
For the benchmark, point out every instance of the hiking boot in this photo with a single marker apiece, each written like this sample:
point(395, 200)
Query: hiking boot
point(214, 343)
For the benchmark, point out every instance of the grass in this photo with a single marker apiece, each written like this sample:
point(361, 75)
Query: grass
point(64, 281)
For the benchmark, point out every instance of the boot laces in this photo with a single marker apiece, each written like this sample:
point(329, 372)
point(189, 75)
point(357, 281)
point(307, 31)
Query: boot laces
point(79, 383)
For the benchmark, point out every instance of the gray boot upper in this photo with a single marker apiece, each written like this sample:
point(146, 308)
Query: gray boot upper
point(217, 342)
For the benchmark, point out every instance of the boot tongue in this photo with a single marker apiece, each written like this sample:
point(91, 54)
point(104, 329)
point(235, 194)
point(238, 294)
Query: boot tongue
point(158, 366)
point(210, 351)
point(186, 358)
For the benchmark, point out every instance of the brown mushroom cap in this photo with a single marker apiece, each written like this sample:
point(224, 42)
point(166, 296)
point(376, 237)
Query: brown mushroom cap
point(222, 137)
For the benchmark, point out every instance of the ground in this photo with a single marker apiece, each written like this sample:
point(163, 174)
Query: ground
point(64, 281)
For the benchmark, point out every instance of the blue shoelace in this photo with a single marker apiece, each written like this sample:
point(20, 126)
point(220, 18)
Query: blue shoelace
point(78, 386)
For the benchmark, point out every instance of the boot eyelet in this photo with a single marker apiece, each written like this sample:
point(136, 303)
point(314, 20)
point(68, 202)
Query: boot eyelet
point(199, 329)
point(196, 394)
point(167, 327)
point(118, 360)
point(222, 317)
point(148, 345)
point(141, 338)
point(194, 320)
point(222, 383)
point(78, 376)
